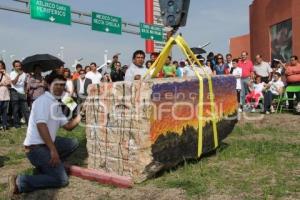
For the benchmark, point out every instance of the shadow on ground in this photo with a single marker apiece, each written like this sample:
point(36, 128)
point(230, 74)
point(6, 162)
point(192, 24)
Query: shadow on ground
point(223, 146)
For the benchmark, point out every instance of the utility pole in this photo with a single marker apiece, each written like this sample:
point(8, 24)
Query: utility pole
point(3, 54)
point(62, 52)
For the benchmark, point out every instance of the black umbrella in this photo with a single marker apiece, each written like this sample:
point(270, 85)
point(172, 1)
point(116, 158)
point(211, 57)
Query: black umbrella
point(46, 62)
point(197, 50)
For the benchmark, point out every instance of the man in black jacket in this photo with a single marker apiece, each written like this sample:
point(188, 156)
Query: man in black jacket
point(81, 86)
point(118, 74)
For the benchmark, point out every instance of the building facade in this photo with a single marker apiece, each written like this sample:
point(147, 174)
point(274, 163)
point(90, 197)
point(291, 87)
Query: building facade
point(274, 30)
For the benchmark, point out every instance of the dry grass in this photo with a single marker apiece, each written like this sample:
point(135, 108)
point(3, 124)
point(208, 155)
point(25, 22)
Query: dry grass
point(259, 160)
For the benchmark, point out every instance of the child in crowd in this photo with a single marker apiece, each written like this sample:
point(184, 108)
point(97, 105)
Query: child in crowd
point(256, 88)
point(237, 73)
point(273, 89)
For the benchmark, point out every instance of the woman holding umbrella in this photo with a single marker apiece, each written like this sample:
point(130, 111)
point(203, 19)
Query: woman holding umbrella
point(36, 84)
point(44, 62)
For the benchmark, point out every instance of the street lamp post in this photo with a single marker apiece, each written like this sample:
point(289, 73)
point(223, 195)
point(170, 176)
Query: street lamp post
point(62, 52)
point(105, 56)
point(12, 57)
point(3, 54)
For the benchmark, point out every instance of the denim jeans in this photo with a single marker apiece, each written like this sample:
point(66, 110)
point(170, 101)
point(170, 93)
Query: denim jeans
point(3, 111)
point(19, 104)
point(245, 90)
point(48, 177)
point(268, 98)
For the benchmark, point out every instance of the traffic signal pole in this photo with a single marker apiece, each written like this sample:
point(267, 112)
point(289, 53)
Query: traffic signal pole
point(149, 20)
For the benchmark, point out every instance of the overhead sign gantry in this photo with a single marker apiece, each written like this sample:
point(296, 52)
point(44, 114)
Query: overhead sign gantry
point(50, 11)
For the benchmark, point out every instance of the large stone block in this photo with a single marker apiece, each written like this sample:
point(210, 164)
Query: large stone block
point(137, 129)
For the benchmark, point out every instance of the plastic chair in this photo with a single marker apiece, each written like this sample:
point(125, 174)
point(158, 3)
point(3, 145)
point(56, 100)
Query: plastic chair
point(283, 97)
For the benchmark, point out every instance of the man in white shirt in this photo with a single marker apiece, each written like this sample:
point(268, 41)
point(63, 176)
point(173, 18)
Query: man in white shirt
point(136, 70)
point(44, 150)
point(274, 89)
point(94, 75)
point(18, 95)
point(262, 69)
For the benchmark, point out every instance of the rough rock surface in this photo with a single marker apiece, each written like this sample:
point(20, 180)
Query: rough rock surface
point(137, 129)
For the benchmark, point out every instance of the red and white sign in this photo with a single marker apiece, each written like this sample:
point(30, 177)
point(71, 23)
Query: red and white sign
point(152, 16)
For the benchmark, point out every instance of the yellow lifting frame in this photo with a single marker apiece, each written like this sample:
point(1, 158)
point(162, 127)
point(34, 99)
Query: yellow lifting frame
point(157, 66)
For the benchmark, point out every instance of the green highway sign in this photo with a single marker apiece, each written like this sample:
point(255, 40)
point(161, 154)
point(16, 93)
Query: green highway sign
point(151, 32)
point(106, 23)
point(50, 11)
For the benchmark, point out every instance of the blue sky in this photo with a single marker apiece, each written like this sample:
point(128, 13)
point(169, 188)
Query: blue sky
point(212, 21)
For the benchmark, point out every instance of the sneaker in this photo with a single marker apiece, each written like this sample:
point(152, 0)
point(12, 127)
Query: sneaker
point(240, 110)
point(272, 109)
point(12, 186)
point(253, 110)
point(22, 121)
point(267, 112)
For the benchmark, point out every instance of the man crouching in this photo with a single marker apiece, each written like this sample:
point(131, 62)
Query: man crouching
point(43, 149)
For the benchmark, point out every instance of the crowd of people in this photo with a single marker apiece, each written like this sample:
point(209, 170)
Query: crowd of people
point(257, 84)
point(21, 92)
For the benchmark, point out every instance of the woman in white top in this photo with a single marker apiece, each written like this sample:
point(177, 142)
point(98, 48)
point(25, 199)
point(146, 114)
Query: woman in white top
point(4, 94)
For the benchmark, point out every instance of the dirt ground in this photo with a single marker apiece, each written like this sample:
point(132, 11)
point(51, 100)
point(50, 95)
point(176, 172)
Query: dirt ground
point(82, 189)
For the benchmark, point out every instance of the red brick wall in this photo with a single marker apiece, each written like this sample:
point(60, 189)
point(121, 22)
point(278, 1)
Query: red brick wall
point(259, 29)
point(239, 44)
point(265, 13)
point(278, 11)
point(296, 27)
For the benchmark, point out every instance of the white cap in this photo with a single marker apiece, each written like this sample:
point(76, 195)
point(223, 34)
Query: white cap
point(108, 61)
